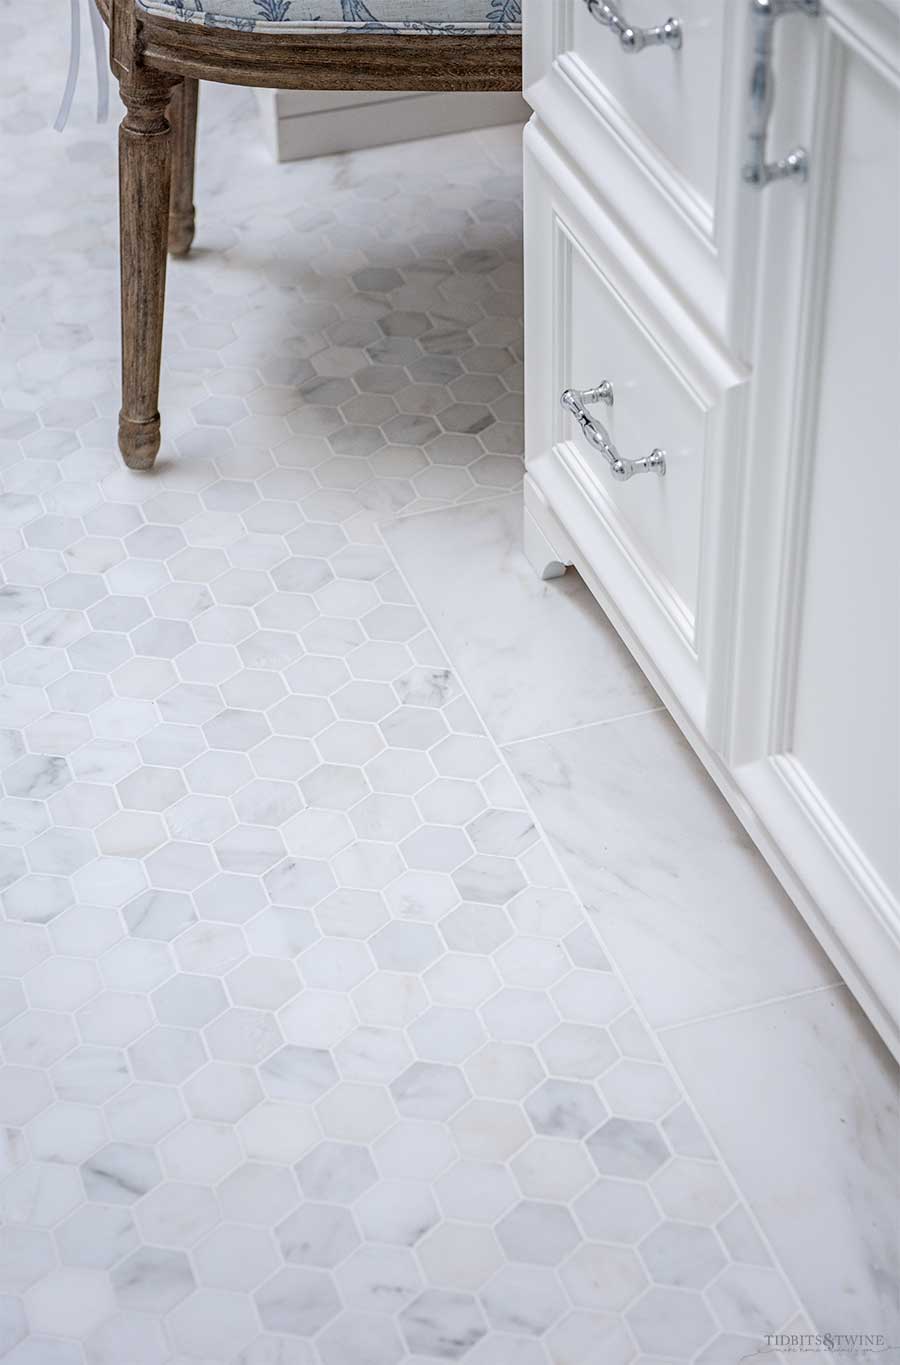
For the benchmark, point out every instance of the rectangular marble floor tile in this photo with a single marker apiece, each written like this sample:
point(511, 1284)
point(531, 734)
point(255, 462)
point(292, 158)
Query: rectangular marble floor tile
point(802, 1099)
point(681, 899)
point(536, 656)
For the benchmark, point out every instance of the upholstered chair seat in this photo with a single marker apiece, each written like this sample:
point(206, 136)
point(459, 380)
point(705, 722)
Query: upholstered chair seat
point(455, 17)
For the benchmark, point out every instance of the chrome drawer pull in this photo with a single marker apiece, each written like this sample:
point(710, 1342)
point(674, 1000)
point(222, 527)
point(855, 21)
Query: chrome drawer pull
point(577, 401)
point(757, 170)
point(636, 39)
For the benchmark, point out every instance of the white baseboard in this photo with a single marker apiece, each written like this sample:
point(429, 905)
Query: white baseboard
point(300, 123)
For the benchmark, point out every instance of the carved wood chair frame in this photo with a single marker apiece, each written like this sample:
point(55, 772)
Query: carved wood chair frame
point(159, 64)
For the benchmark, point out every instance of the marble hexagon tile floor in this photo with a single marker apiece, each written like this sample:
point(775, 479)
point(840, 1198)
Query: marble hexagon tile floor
point(310, 1056)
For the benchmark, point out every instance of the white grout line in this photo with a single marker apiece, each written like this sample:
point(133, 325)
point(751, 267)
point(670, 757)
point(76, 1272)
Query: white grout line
point(583, 725)
point(753, 1005)
point(617, 971)
point(490, 495)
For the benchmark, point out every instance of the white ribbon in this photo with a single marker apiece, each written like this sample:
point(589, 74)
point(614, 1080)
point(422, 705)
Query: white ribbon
point(98, 35)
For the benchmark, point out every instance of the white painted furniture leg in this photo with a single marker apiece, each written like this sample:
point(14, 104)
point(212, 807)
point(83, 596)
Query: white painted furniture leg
point(544, 545)
point(538, 551)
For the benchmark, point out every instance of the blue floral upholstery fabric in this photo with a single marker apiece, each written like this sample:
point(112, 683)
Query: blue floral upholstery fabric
point(342, 16)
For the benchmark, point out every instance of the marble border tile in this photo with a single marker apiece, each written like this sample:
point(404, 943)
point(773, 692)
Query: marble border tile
point(802, 1098)
point(537, 657)
point(673, 886)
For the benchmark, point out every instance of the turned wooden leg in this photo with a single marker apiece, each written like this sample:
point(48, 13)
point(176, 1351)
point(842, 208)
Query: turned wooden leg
point(183, 118)
point(145, 167)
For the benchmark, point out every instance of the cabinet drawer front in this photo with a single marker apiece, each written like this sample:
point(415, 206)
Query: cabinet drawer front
point(671, 98)
point(605, 339)
point(660, 136)
point(608, 318)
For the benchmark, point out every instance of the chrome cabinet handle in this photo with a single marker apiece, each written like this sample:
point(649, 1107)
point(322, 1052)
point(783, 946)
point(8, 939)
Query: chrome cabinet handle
point(577, 401)
point(636, 39)
point(757, 170)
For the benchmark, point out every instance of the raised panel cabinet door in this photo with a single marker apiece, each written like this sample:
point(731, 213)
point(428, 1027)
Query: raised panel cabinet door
point(820, 758)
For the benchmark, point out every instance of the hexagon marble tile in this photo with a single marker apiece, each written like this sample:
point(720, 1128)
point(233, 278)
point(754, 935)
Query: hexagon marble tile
point(309, 1054)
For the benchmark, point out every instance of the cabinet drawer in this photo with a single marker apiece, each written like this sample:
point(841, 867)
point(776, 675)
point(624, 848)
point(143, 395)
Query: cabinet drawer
point(672, 99)
point(659, 134)
point(597, 313)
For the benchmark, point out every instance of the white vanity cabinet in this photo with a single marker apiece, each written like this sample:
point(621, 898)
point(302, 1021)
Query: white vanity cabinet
point(726, 471)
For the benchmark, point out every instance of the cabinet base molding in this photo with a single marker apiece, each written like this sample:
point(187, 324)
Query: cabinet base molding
point(851, 921)
point(547, 560)
point(300, 124)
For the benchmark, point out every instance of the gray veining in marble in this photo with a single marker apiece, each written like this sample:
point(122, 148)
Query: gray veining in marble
point(804, 1103)
point(309, 1054)
point(536, 657)
point(676, 891)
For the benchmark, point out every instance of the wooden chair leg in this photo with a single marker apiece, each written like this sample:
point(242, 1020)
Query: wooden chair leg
point(145, 167)
point(183, 118)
